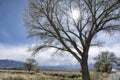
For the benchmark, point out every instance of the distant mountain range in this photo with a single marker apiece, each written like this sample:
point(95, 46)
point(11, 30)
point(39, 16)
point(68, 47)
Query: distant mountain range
point(9, 64)
point(6, 63)
point(13, 64)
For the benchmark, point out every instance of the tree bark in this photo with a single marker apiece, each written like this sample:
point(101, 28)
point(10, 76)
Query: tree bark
point(85, 70)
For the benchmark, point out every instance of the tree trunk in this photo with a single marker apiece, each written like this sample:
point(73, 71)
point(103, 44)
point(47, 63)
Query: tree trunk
point(85, 70)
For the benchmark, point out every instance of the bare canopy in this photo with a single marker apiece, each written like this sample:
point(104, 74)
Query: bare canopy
point(52, 23)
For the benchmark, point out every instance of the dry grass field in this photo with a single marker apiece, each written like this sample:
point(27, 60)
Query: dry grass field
point(42, 75)
point(46, 75)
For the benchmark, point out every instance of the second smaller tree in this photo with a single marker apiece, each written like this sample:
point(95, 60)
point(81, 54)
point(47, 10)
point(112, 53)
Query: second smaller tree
point(104, 61)
point(30, 64)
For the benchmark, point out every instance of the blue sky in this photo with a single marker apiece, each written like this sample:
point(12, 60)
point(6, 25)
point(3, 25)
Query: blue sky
point(12, 29)
point(14, 42)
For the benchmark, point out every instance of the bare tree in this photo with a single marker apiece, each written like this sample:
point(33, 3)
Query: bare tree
point(30, 64)
point(51, 22)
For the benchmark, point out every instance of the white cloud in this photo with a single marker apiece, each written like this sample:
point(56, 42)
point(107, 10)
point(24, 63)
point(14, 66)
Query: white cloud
point(19, 52)
point(111, 43)
point(45, 58)
point(94, 51)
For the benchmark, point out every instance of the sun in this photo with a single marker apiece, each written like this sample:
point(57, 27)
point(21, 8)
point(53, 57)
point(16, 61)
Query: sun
point(75, 14)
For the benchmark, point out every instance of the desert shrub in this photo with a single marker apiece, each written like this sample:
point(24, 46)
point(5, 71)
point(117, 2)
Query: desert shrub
point(98, 75)
point(73, 75)
point(95, 75)
point(63, 75)
point(103, 67)
point(37, 70)
point(14, 78)
point(106, 67)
